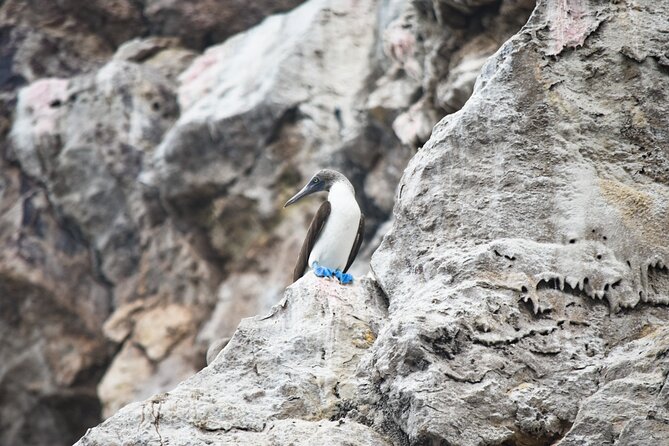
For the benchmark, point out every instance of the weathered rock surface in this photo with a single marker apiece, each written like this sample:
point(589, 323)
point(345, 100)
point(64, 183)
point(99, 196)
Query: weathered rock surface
point(525, 273)
point(202, 23)
point(526, 266)
point(251, 129)
point(51, 309)
point(288, 376)
point(66, 195)
point(85, 138)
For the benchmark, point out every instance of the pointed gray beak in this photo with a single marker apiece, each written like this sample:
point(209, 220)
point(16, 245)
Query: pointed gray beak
point(298, 196)
point(306, 190)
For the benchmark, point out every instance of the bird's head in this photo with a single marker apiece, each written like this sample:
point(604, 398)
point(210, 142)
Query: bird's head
point(321, 181)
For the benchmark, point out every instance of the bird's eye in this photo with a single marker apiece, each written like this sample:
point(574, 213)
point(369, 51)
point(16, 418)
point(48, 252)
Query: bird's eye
point(315, 180)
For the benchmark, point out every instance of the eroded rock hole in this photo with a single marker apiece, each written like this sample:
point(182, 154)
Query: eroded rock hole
point(576, 288)
point(551, 284)
point(506, 256)
point(578, 291)
point(416, 361)
point(538, 436)
point(658, 279)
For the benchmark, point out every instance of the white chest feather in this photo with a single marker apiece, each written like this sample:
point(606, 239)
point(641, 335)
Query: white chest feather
point(335, 242)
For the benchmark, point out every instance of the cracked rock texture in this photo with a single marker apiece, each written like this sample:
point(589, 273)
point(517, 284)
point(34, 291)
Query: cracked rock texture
point(147, 148)
point(526, 269)
point(520, 296)
point(288, 377)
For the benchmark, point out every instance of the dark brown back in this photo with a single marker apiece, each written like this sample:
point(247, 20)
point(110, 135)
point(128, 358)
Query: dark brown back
point(356, 243)
point(315, 229)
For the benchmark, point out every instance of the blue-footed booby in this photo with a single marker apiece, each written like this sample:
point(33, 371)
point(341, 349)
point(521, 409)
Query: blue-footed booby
point(335, 233)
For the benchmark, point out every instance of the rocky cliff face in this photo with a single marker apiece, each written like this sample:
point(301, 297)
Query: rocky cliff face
point(519, 297)
point(147, 148)
point(526, 266)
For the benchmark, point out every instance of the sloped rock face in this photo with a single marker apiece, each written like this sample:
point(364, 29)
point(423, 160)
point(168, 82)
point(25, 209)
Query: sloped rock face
point(252, 129)
point(85, 139)
point(284, 377)
point(51, 310)
point(524, 272)
point(142, 183)
point(526, 267)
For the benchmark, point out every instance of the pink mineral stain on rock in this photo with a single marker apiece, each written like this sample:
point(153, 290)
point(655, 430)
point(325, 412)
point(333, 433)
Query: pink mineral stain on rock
point(42, 99)
point(400, 45)
point(198, 79)
point(571, 22)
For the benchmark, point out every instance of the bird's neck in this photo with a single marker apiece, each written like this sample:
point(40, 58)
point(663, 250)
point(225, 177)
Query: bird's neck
point(342, 195)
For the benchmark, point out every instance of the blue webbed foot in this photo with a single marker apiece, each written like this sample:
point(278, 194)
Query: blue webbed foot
point(344, 278)
point(322, 271)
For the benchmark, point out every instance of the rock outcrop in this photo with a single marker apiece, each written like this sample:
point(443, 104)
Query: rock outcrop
point(142, 181)
point(51, 310)
point(284, 376)
point(78, 240)
point(123, 256)
point(520, 297)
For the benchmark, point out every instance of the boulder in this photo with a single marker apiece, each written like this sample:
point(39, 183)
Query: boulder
point(288, 377)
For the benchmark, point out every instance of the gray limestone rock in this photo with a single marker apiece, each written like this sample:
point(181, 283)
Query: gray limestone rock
point(525, 274)
point(85, 140)
point(60, 136)
point(286, 377)
point(525, 270)
point(526, 265)
point(51, 311)
point(201, 23)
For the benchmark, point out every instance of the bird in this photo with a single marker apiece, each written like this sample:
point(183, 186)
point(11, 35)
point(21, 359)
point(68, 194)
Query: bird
point(336, 231)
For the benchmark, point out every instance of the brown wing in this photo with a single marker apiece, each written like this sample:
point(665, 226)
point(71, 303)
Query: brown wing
point(312, 235)
point(356, 243)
